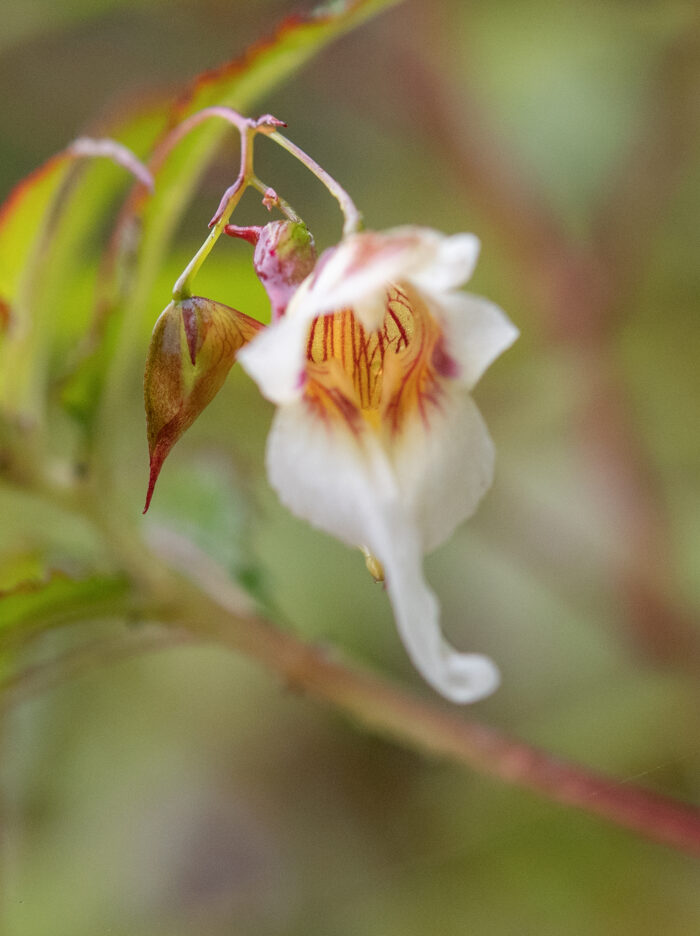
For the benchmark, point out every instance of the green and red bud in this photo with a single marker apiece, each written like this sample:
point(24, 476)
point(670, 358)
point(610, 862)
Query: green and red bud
point(284, 256)
point(193, 347)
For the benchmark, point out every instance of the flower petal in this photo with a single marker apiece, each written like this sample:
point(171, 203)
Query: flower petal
point(344, 484)
point(460, 677)
point(453, 263)
point(276, 358)
point(444, 467)
point(357, 272)
point(325, 472)
point(475, 332)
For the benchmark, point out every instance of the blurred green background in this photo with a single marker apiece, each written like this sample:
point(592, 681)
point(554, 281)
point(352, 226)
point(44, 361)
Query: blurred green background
point(185, 792)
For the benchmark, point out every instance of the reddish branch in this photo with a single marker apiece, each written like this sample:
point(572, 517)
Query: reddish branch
point(434, 729)
point(214, 611)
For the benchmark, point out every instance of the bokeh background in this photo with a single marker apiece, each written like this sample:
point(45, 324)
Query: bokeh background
point(186, 792)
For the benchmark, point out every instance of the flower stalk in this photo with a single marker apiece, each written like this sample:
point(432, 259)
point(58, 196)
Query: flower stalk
point(183, 287)
point(248, 129)
point(353, 218)
point(433, 730)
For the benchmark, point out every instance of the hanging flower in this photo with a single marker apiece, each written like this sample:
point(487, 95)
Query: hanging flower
point(376, 439)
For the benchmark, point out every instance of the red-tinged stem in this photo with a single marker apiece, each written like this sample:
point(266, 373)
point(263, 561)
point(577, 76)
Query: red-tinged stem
point(248, 128)
point(182, 288)
point(432, 729)
point(209, 607)
point(272, 200)
point(265, 124)
point(353, 218)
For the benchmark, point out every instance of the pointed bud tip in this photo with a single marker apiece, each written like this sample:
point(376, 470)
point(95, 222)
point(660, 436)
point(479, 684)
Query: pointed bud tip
point(156, 465)
point(193, 347)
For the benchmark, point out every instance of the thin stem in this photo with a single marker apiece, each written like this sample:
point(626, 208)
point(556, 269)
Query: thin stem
point(248, 128)
point(353, 218)
point(434, 730)
point(187, 126)
point(183, 287)
point(272, 198)
point(246, 176)
point(211, 609)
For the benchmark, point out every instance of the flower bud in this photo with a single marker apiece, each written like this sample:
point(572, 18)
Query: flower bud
point(193, 347)
point(284, 255)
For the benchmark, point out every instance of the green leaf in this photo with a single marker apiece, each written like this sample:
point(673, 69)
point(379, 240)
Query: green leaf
point(21, 218)
point(30, 225)
point(59, 600)
point(194, 345)
point(24, 222)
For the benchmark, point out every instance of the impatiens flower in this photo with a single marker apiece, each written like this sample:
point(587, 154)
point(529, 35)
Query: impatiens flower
point(376, 439)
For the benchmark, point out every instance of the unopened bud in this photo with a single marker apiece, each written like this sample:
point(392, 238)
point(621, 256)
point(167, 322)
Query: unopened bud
point(284, 256)
point(193, 347)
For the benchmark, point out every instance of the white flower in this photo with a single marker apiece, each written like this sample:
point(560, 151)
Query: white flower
point(376, 439)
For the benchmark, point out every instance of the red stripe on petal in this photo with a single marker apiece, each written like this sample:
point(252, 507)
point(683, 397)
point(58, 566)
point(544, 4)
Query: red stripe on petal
point(379, 379)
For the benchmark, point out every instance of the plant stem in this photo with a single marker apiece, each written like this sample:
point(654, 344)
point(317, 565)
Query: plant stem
point(280, 203)
point(432, 729)
point(353, 218)
point(246, 176)
point(211, 609)
point(183, 286)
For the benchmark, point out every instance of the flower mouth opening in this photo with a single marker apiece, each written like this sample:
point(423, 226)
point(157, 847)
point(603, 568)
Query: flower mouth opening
point(377, 378)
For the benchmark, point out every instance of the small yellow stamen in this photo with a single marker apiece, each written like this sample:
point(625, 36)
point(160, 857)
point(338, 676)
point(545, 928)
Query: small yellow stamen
point(374, 566)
